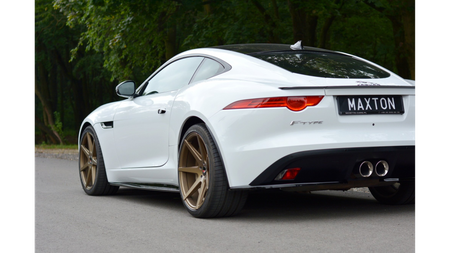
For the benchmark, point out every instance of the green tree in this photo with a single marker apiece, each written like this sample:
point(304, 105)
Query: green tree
point(71, 89)
point(85, 47)
point(132, 35)
point(401, 14)
point(46, 86)
point(138, 36)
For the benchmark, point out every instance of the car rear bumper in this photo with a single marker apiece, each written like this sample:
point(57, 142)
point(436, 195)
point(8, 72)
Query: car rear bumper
point(339, 168)
point(252, 140)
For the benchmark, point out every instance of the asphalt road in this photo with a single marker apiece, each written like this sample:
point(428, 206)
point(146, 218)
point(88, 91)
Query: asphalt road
point(68, 220)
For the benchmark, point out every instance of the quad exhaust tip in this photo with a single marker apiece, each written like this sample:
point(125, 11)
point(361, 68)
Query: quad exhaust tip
point(381, 168)
point(366, 169)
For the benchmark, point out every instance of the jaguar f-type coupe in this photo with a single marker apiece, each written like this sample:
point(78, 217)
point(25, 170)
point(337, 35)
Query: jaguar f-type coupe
point(216, 123)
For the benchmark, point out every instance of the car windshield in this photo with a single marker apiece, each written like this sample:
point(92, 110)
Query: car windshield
point(322, 64)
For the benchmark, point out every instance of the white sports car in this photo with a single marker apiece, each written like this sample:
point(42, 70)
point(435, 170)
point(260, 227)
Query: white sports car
point(215, 123)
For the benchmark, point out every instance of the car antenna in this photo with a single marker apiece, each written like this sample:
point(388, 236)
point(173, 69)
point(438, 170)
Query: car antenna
point(297, 46)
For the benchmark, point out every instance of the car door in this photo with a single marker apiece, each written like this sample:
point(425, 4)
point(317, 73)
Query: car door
point(141, 125)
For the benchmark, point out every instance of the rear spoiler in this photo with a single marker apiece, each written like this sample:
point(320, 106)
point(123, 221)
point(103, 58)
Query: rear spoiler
point(353, 86)
point(411, 81)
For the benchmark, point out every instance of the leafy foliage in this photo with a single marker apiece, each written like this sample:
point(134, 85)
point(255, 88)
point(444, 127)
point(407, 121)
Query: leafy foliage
point(84, 47)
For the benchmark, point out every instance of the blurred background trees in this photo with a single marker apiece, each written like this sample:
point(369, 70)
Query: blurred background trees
point(84, 48)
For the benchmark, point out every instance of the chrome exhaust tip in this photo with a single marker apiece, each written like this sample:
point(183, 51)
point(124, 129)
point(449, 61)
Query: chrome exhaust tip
point(366, 169)
point(382, 168)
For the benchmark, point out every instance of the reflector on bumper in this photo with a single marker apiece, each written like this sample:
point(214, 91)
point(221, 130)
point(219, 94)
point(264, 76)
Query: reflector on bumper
point(288, 174)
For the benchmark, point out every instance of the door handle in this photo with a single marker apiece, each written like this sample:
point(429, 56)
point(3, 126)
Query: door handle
point(161, 111)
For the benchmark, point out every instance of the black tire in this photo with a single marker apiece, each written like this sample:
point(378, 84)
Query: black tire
point(203, 182)
point(397, 194)
point(92, 167)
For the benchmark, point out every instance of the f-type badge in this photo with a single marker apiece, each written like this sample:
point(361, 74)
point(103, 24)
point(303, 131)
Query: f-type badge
point(299, 122)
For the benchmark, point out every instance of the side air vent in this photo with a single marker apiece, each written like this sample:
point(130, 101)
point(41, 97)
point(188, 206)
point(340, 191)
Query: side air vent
point(107, 125)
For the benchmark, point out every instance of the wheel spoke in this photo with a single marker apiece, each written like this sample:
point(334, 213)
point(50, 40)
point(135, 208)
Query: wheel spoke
point(85, 150)
point(198, 157)
point(93, 174)
point(84, 166)
point(201, 147)
point(202, 192)
point(88, 176)
point(90, 143)
point(193, 188)
point(193, 169)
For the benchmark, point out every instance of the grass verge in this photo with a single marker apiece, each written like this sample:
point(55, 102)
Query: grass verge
point(54, 146)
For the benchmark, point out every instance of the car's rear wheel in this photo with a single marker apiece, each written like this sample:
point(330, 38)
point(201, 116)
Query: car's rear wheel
point(396, 194)
point(203, 182)
point(91, 165)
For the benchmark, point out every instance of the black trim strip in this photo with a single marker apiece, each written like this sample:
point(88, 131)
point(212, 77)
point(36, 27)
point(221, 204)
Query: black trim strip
point(151, 187)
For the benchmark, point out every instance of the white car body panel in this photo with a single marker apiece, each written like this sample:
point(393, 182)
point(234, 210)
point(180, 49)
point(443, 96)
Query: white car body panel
point(138, 124)
point(138, 150)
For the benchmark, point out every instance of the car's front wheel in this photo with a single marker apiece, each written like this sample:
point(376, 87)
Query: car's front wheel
point(202, 178)
point(91, 165)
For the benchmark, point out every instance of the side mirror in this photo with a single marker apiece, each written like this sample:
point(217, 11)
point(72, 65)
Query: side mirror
point(126, 89)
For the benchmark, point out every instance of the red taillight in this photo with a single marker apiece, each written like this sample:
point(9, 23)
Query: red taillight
point(292, 103)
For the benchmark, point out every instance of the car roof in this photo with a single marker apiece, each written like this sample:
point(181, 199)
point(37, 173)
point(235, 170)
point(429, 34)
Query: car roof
point(254, 48)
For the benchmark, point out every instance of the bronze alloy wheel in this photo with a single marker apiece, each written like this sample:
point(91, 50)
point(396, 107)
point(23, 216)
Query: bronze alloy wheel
point(202, 178)
point(88, 161)
point(194, 171)
point(92, 168)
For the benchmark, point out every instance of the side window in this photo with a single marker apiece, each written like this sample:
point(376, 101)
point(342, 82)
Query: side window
point(209, 68)
point(173, 76)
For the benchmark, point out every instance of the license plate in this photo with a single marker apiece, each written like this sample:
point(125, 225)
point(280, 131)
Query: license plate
point(360, 105)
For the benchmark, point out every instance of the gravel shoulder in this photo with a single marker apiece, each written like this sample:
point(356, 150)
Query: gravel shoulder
point(66, 154)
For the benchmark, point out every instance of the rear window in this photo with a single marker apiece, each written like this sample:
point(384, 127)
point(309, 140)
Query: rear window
point(323, 64)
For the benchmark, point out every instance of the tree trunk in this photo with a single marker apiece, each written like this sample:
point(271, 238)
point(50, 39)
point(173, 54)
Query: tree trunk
point(49, 128)
point(408, 19)
point(54, 138)
point(269, 21)
point(77, 89)
point(171, 42)
point(304, 25)
point(401, 61)
point(324, 37)
point(207, 7)
point(324, 32)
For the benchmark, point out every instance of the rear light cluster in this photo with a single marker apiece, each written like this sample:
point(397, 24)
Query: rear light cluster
point(295, 104)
